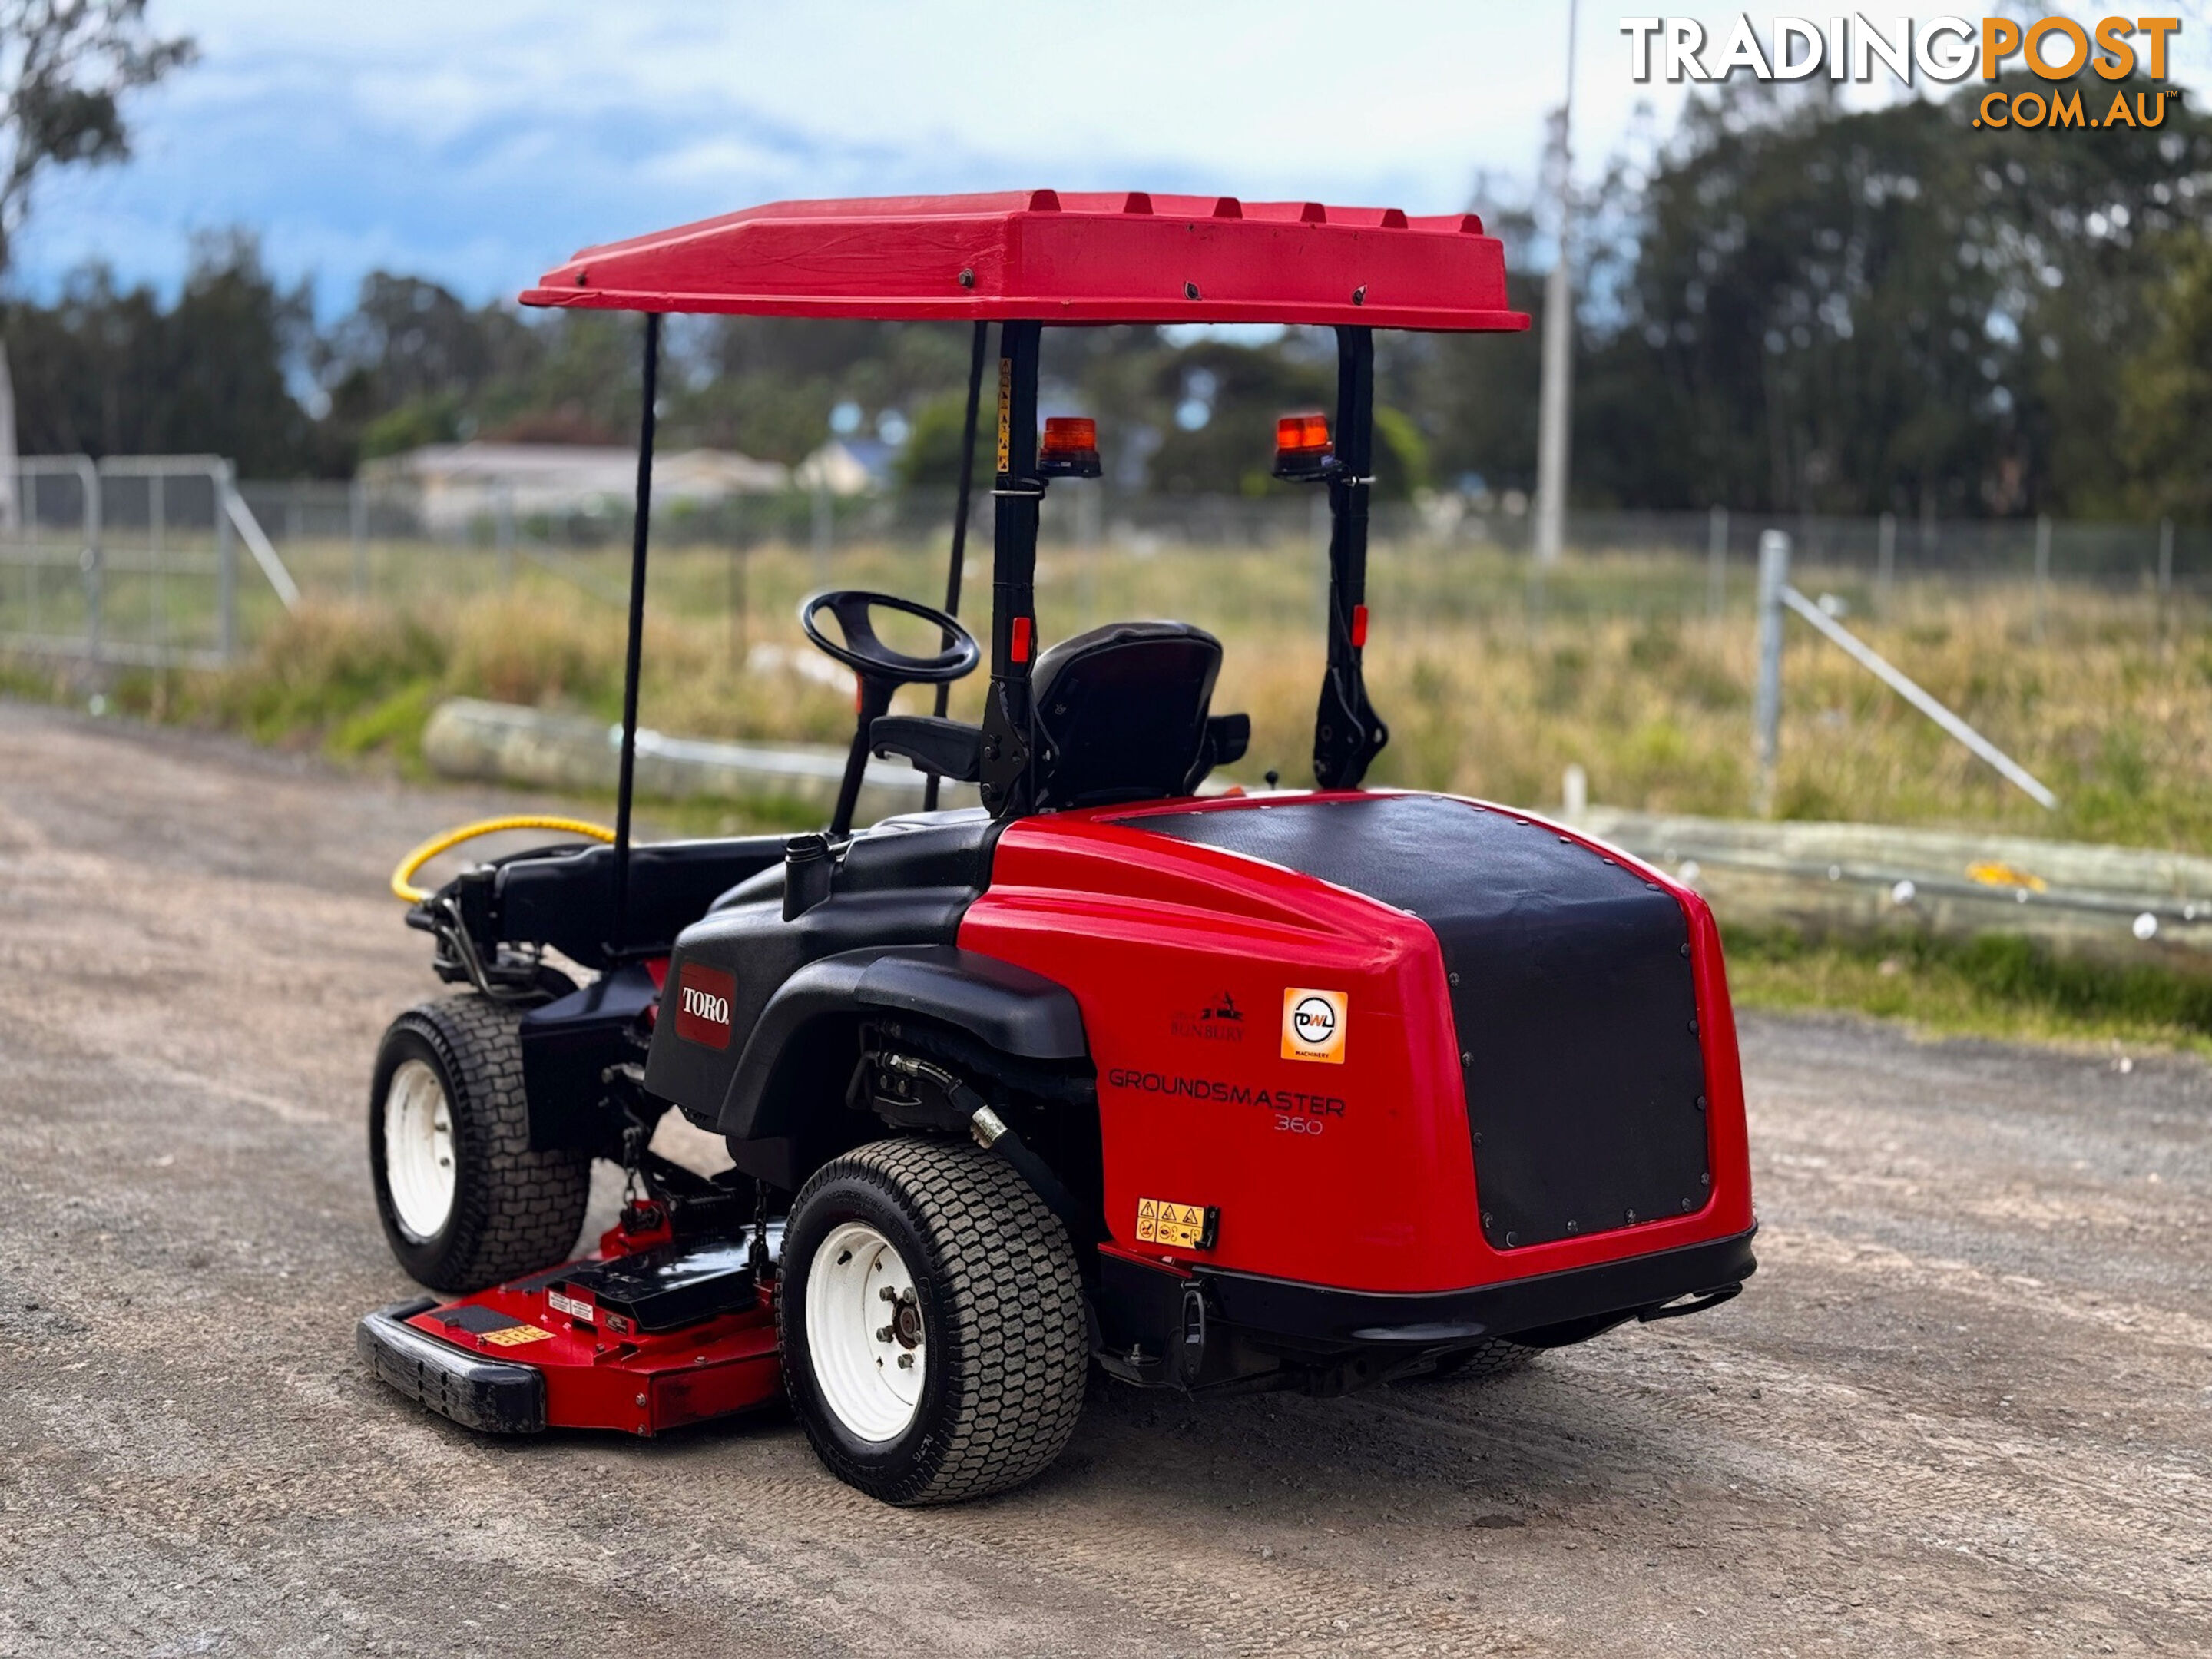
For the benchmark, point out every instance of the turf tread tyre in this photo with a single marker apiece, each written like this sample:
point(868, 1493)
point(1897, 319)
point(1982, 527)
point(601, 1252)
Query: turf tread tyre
point(514, 1210)
point(1003, 1298)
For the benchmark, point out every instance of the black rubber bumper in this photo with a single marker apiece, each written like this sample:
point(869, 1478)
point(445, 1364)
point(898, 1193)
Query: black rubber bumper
point(493, 1395)
point(1329, 1318)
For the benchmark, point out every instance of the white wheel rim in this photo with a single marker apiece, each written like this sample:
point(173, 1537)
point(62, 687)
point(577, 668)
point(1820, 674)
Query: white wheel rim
point(868, 1350)
point(418, 1149)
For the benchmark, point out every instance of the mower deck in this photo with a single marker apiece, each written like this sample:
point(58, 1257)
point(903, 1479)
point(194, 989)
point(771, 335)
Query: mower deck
point(644, 1335)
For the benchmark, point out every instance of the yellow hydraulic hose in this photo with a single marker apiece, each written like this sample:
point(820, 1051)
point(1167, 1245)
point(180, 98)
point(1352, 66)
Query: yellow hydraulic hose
point(403, 879)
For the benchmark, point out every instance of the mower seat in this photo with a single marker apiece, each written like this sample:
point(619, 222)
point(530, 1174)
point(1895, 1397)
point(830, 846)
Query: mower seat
point(1121, 715)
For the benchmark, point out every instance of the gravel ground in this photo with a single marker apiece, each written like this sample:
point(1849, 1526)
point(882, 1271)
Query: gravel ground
point(1965, 1404)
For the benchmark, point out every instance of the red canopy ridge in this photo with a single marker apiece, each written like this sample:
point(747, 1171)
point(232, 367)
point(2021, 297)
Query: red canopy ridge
point(1126, 257)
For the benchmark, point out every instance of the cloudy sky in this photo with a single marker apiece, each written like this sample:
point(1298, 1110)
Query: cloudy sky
point(480, 141)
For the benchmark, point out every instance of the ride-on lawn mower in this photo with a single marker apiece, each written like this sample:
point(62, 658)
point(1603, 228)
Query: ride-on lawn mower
point(1305, 1090)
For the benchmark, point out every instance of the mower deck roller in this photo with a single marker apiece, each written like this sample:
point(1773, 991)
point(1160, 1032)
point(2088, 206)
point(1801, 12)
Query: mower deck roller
point(1309, 1090)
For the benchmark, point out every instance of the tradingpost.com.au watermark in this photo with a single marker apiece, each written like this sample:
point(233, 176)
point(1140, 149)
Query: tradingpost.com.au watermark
point(1942, 49)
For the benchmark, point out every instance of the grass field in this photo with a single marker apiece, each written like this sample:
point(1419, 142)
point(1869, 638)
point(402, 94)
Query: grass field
point(1490, 687)
point(1987, 988)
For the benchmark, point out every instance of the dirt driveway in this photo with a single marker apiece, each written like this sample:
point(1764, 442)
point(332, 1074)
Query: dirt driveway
point(1966, 1403)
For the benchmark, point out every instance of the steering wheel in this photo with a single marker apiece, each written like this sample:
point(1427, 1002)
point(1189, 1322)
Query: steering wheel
point(860, 650)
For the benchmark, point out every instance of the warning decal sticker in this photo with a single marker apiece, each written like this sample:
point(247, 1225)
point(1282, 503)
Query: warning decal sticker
point(1313, 1024)
point(1005, 403)
point(570, 1306)
point(513, 1336)
point(1185, 1226)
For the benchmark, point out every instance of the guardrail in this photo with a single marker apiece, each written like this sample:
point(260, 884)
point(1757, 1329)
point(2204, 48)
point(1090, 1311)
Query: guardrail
point(2120, 905)
point(502, 743)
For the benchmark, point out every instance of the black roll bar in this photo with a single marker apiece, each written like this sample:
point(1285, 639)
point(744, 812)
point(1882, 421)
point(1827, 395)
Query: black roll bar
point(977, 352)
point(1348, 734)
point(636, 645)
point(1018, 494)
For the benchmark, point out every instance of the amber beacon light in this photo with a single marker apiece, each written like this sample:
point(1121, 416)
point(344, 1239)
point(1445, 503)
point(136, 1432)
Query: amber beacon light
point(1070, 449)
point(1302, 450)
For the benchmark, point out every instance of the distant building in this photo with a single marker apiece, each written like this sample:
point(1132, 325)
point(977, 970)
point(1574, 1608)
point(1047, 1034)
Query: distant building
point(847, 466)
point(458, 485)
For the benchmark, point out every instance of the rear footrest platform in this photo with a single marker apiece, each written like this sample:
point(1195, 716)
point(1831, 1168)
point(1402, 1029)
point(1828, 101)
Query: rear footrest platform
point(642, 1339)
point(495, 1396)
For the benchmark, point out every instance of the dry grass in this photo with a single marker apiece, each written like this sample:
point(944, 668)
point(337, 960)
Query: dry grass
point(1487, 689)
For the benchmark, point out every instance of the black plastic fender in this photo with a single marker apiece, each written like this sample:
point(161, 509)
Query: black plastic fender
point(1009, 1008)
point(567, 1045)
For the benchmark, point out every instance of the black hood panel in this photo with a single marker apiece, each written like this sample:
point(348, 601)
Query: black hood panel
point(1572, 995)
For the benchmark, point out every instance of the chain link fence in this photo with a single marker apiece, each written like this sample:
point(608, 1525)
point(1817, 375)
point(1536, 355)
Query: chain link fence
point(137, 559)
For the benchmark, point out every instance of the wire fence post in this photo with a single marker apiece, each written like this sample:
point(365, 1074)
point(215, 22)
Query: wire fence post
point(505, 535)
point(2042, 570)
point(16, 523)
point(823, 514)
point(1885, 559)
point(357, 529)
point(94, 560)
point(740, 624)
point(157, 512)
point(226, 560)
point(1716, 537)
point(1766, 701)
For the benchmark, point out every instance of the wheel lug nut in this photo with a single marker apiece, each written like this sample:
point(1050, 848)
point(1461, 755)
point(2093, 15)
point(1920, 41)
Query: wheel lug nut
point(906, 1362)
point(883, 1332)
point(887, 1293)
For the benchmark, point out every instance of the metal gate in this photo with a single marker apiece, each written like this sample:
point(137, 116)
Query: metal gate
point(132, 559)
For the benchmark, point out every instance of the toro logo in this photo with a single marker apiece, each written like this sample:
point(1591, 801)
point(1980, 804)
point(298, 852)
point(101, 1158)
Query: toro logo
point(702, 1005)
point(1313, 1025)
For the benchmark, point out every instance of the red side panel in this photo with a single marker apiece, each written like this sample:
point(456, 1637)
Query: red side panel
point(1357, 1172)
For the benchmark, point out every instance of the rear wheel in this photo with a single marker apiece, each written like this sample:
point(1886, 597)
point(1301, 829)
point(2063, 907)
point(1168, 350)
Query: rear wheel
point(931, 1314)
point(464, 1200)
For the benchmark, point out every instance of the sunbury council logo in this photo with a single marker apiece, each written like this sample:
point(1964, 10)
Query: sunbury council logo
point(1941, 49)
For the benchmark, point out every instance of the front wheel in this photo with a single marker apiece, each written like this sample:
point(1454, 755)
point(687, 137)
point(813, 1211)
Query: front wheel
point(931, 1314)
point(465, 1201)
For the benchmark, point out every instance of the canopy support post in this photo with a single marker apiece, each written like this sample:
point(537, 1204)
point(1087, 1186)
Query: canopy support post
point(633, 656)
point(975, 354)
point(1008, 738)
point(1347, 733)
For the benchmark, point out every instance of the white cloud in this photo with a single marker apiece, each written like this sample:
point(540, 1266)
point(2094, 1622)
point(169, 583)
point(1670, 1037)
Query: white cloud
point(480, 141)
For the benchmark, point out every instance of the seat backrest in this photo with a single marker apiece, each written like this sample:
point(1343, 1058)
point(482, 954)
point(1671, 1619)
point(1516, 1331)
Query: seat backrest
point(1121, 713)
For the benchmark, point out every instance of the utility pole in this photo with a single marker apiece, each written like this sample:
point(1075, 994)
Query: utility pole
point(1558, 335)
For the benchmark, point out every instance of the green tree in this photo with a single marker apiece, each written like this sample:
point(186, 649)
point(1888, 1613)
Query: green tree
point(1217, 400)
point(412, 363)
point(930, 459)
point(1887, 309)
point(107, 372)
point(2166, 393)
point(66, 67)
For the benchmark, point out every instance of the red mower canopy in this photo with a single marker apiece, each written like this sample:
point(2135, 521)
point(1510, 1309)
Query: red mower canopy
point(1040, 255)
